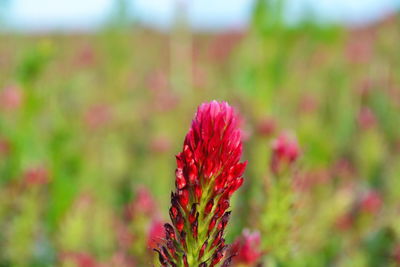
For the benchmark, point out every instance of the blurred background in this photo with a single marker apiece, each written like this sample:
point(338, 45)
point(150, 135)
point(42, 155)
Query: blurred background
point(96, 97)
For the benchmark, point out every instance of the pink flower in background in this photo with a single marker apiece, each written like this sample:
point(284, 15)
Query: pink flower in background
point(247, 248)
point(163, 98)
point(309, 179)
point(158, 81)
point(366, 118)
point(86, 56)
point(124, 236)
point(360, 48)
point(166, 101)
point(84, 200)
point(199, 77)
point(97, 116)
point(371, 202)
point(120, 259)
point(11, 98)
point(140, 225)
point(144, 201)
point(285, 151)
point(80, 259)
point(85, 260)
point(36, 176)
point(160, 144)
point(343, 168)
point(156, 233)
point(143, 204)
point(308, 103)
point(345, 221)
point(246, 135)
point(266, 126)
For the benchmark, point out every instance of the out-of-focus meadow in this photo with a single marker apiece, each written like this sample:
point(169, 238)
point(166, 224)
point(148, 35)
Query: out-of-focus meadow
point(90, 124)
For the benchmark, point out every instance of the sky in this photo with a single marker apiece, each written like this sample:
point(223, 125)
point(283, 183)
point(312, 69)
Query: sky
point(202, 14)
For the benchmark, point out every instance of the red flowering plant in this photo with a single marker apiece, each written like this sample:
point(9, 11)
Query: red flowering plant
point(285, 151)
point(208, 172)
point(247, 248)
point(278, 210)
point(141, 228)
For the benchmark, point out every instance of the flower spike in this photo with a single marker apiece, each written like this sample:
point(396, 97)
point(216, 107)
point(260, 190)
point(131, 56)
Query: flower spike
point(208, 172)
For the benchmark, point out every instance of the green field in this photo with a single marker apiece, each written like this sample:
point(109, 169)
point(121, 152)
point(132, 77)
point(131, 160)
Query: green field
point(90, 125)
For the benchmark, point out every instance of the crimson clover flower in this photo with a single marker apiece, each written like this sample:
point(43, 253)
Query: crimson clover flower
point(208, 173)
point(247, 248)
point(285, 151)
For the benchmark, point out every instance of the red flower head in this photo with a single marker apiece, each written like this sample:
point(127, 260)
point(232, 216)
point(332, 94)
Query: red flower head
point(247, 248)
point(79, 259)
point(208, 173)
point(86, 56)
point(266, 126)
point(36, 176)
point(97, 116)
point(142, 204)
point(308, 104)
point(371, 202)
point(285, 151)
point(366, 118)
point(11, 98)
